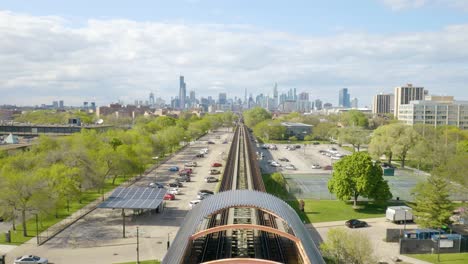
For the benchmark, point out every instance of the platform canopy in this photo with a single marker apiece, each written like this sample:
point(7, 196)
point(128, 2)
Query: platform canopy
point(135, 198)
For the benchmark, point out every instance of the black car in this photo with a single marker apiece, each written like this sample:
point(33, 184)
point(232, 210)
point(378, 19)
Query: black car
point(177, 184)
point(200, 155)
point(283, 159)
point(205, 191)
point(353, 223)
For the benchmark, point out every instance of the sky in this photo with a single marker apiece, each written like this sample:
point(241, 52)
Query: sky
point(113, 50)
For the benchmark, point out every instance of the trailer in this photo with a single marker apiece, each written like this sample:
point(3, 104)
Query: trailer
point(399, 214)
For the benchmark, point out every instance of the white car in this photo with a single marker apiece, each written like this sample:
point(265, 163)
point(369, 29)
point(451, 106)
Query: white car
point(316, 166)
point(275, 164)
point(191, 164)
point(202, 196)
point(174, 191)
point(194, 202)
point(30, 259)
point(290, 167)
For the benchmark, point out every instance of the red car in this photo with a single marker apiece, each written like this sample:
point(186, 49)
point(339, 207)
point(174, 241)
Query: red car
point(186, 172)
point(169, 196)
point(216, 164)
point(328, 167)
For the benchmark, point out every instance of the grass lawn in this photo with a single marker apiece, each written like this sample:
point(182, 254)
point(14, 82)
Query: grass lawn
point(142, 262)
point(46, 221)
point(453, 258)
point(329, 210)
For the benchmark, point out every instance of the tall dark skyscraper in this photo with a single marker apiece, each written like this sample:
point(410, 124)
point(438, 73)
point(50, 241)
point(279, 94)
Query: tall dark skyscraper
point(344, 100)
point(182, 93)
point(151, 99)
point(222, 99)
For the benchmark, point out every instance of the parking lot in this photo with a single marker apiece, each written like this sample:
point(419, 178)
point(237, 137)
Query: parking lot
point(98, 238)
point(376, 231)
point(308, 183)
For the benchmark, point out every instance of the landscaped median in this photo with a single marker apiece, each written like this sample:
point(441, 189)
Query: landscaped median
point(452, 258)
point(46, 221)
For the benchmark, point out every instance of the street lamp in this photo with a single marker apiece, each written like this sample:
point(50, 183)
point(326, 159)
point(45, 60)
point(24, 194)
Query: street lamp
point(404, 228)
point(37, 228)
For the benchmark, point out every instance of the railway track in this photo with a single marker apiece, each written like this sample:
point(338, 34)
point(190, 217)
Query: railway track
point(242, 172)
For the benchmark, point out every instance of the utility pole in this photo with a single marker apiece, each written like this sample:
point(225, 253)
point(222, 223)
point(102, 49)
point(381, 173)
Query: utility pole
point(37, 229)
point(138, 246)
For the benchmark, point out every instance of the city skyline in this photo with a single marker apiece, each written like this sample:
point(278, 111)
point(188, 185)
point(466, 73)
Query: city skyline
point(119, 53)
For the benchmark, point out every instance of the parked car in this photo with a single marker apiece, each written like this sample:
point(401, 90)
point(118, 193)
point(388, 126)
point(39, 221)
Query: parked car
point(184, 178)
point(200, 155)
point(155, 185)
point(216, 164)
point(353, 223)
point(186, 172)
point(31, 259)
point(211, 179)
point(205, 191)
point(191, 164)
point(328, 167)
point(214, 172)
point(225, 142)
point(316, 166)
point(202, 196)
point(283, 159)
point(273, 147)
point(290, 167)
point(175, 184)
point(265, 146)
point(297, 146)
point(387, 165)
point(175, 191)
point(315, 143)
point(174, 168)
point(275, 164)
point(210, 142)
point(169, 196)
point(194, 202)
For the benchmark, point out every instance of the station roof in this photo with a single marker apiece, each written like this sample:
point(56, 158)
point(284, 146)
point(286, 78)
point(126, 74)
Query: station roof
point(289, 124)
point(240, 198)
point(135, 198)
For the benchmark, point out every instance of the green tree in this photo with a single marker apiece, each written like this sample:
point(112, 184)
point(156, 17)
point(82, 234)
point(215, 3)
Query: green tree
point(269, 129)
point(255, 116)
point(455, 169)
point(433, 207)
point(356, 136)
point(344, 247)
point(322, 130)
point(354, 118)
point(357, 175)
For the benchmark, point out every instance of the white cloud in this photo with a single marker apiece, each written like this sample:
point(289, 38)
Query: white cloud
point(404, 4)
point(106, 60)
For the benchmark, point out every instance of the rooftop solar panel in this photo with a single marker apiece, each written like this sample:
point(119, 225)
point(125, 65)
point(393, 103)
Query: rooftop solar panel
point(135, 198)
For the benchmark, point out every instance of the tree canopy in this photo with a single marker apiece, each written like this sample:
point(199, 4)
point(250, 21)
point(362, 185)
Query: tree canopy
point(255, 116)
point(357, 175)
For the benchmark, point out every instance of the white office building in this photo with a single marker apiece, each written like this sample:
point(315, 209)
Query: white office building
point(435, 110)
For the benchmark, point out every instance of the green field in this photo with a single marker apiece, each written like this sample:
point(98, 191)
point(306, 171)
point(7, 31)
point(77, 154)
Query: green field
point(45, 222)
point(454, 258)
point(316, 211)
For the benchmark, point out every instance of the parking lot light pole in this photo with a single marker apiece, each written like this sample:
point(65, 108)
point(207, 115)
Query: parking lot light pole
point(404, 228)
point(138, 246)
point(37, 228)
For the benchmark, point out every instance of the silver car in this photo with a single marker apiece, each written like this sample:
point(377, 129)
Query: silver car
point(30, 259)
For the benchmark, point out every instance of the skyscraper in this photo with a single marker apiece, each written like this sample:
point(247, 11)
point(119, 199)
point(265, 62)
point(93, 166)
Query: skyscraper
point(318, 104)
point(405, 94)
point(182, 93)
point(382, 104)
point(151, 99)
point(222, 98)
point(354, 103)
point(343, 100)
point(275, 96)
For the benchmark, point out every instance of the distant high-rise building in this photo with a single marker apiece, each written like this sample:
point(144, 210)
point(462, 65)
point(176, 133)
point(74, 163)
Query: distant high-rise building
point(85, 105)
point(151, 99)
point(327, 105)
point(343, 100)
point(93, 105)
point(303, 103)
point(354, 103)
point(192, 96)
point(382, 104)
point(55, 104)
point(222, 98)
point(318, 104)
point(182, 92)
point(275, 96)
point(61, 105)
point(405, 94)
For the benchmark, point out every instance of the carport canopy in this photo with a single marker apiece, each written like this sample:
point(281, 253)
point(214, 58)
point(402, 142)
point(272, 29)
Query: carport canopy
point(135, 198)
